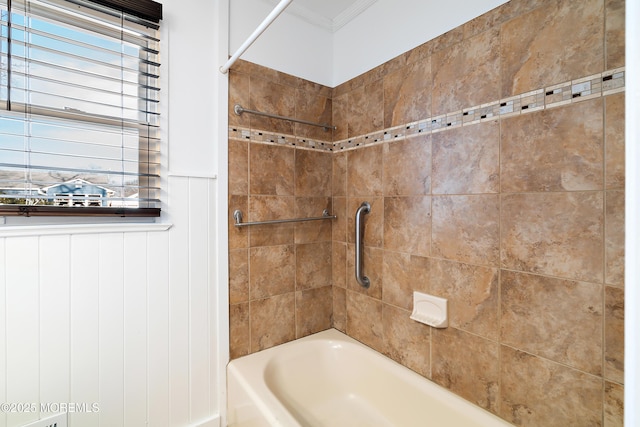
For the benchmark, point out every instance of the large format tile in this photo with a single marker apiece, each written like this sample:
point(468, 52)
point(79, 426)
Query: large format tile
point(272, 271)
point(407, 224)
point(558, 234)
point(467, 365)
point(465, 228)
point(467, 160)
point(407, 93)
point(614, 141)
point(555, 43)
point(472, 293)
point(554, 150)
point(407, 167)
point(271, 170)
point(364, 320)
point(558, 319)
point(614, 238)
point(272, 321)
point(403, 274)
point(406, 341)
point(466, 73)
point(614, 334)
point(313, 311)
point(537, 392)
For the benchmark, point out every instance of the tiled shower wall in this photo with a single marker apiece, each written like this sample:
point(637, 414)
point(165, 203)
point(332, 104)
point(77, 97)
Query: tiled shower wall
point(496, 178)
point(280, 275)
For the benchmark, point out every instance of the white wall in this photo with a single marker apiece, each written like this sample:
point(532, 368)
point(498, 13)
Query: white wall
point(391, 27)
point(290, 44)
point(383, 31)
point(134, 316)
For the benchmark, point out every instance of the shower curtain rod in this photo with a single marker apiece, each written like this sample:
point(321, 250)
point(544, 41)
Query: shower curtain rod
point(258, 31)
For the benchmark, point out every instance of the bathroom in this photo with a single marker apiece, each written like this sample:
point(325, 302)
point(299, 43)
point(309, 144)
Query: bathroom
point(145, 323)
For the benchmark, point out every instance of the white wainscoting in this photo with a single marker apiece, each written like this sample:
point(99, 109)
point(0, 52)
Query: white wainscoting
point(128, 319)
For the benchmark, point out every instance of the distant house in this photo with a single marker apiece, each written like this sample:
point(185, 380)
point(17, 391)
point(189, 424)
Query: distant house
point(77, 192)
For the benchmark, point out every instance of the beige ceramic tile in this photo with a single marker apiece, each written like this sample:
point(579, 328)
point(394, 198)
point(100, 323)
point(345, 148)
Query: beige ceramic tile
point(373, 221)
point(340, 106)
point(239, 167)
point(613, 405)
point(238, 276)
point(339, 264)
point(312, 173)
point(315, 108)
point(554, 150)
point(339, 175)
point(558, 234)
point(238, 330)
point(407, 224)
point(557, 319)
point(555, 43)
point(465, 228)
point(614, 141)
point(313, 311)
point(238, 236)
point(467, 365)
point(266, 208)
point(313, 231)
point(407, 93)
point(239, 93)
point(467, 160)
point(271, 170)
point(272, 271)
point(615, 32)
point(614, 334)
point(313, 265)
point(406, 341)
point(472, 293)
point(472, 63)
point(364, 109)
point(407, 167)
point(339, 225)
point(272, 98)
point(403, 274)
point(538, 392)
point(364, 173)
point(339, 309)
point(272, 321)
point(364, 320)
point(614, 238)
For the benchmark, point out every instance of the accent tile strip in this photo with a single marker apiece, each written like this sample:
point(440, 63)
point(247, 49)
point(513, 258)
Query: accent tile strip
point(582, 89)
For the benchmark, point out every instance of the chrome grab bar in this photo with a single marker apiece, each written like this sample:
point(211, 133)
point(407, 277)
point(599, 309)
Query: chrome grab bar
point(237, 216)
point(364, 208)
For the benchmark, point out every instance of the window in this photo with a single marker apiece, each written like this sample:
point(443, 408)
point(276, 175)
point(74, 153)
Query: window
point(79, 107)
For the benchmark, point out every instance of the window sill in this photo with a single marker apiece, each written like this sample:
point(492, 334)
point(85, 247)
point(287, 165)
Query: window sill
point(52, 230)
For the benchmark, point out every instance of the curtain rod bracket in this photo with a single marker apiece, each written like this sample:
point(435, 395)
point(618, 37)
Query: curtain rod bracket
point(256, 33)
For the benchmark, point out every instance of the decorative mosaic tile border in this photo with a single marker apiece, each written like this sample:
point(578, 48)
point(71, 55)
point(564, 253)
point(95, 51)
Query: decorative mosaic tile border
point(595, 86)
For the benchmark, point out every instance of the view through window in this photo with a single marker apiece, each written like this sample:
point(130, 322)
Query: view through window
point(79, 109)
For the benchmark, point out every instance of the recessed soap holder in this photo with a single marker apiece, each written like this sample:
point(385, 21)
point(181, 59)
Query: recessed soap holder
point(430, 310)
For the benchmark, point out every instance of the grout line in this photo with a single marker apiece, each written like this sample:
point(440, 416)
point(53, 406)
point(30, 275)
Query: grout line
point(581, 89)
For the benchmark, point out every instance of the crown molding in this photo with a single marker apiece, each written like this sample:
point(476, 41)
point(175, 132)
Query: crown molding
point(330, 25)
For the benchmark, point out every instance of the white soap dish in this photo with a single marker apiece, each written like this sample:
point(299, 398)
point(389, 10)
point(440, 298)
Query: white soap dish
point(430, 310)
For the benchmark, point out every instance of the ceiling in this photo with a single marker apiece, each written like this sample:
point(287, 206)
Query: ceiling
point(330, 15)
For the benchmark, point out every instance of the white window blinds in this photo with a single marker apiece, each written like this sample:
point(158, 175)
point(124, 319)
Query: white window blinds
point(79, 110)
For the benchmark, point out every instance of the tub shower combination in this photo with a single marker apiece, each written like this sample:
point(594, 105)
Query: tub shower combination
point(329, 379)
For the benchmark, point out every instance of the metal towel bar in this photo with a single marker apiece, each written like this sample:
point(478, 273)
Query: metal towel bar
point(239, 109)
point(237, 215)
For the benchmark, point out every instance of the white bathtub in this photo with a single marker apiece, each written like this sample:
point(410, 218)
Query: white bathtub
point(330, 379)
